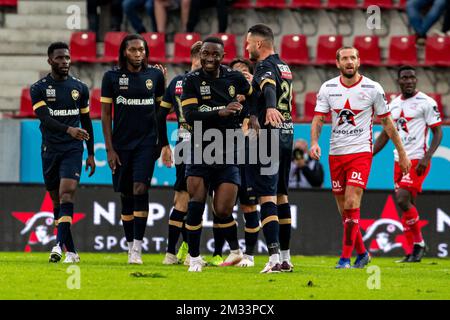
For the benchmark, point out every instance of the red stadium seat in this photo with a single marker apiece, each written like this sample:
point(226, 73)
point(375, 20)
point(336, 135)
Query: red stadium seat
point(438, 98)
point(384, 4)
point(183, 43)
point(309, 106)
point(83, 47)
point(277, 4)
point(230, 48)
point(172, 116)
point(243, 4)
point(306, 4)
point(391, 96)
point(294, 113)
point(345, 4)
point(156, 46)
point(8, 3)
point(402, 50)
point(402, 4)
point(437, 51)
point(294, 49)
point(326, 49)
point(26, 106)
point(95, 106)
point(369, 49)
point(245, 52)
point(112, 42)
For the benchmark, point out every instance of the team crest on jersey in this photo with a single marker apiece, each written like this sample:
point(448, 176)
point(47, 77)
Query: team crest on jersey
point(179, 87)
point(75, 94)
point(285, 71)
point(402, 122)
point(149, 84)
point(232, 91)
point(347, 114)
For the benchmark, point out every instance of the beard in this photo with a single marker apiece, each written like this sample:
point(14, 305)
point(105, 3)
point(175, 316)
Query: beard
point(253, 56)
point(349, 75)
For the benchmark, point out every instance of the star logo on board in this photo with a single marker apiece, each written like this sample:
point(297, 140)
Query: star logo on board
point(347, 114)
point(386, 233)
point(40, 225)
point(402, 122)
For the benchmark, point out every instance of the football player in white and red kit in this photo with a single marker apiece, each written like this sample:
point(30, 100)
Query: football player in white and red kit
point(352, 99)
point(414, 112)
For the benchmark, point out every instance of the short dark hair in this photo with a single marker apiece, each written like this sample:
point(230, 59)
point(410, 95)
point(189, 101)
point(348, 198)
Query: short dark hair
point(123, 46)
point(243, 61)
point(55, 46)
point(195, 49)
point(213, 40)
point(338, 52)
point(403, 68)
point(263, 31)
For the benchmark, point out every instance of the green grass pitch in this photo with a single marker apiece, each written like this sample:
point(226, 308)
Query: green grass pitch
point(107, 276)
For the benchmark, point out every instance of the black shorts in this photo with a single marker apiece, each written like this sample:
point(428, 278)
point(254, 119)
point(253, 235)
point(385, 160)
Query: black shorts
point(57, 165)
point(272, 184)
point(137, 166)
point(214, 175)
point(180, 184)
point(246, 191)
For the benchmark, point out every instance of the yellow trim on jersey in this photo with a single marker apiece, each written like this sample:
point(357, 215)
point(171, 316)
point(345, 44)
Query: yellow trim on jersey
point(178, 224)
point(166, 104)
point(193, 228)
point(84, 110)
point(140, 214)
point(285, 221)
point(127, 217)
point(250, 91)
point(106, 100)
point(189, 101)
point(159, 99)
point(269, 219)
point(267, 81)
point(39, 104)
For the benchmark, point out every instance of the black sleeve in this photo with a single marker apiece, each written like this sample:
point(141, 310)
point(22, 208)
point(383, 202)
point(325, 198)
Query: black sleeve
point(162, 126)
point(86, 124)
point(265, 81)
point(315, 175)
point(48, 122)
point(270, 96)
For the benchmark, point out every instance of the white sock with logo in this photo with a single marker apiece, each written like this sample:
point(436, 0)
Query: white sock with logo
point(274, 259)
point(286, 255)
point(137, 245)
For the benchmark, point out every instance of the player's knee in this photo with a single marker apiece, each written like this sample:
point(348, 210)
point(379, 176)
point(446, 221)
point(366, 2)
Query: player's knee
point(222, 211)
point(351, 202)
point(66, 195)
point(195, 214)
point(403, 202)
point(139, 188)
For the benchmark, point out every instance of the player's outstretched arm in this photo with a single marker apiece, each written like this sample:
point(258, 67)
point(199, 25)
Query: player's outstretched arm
point(403, 161)
point(380, 142)
point(435, 142)
point(316, 129)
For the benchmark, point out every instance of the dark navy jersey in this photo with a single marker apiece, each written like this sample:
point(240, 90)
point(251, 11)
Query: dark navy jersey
point(134, 96)
point(204, 94)
point(273, 71)
point(65, 100)
point(172, 100)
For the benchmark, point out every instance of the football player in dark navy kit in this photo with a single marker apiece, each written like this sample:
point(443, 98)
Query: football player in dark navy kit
point(136, 90)
point(61, 102)
point(172, 102)
point(273, 79)
point(209, 100)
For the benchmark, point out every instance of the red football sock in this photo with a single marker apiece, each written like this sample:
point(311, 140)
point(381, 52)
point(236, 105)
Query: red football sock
point(411, 218)
point(409, 238)
point(359, 243)
point(351, 228)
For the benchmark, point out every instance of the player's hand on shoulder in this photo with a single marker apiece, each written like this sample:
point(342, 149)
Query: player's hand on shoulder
point(78, 133)
point(315, 152)
point(113, 160)
point(162, 68)
point(231, 109)
point(248, 76)
point(273, 117)
point(90, 163)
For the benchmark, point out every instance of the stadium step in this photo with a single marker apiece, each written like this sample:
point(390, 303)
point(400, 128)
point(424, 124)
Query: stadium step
point(23, 77)
point(48, 7)
point(23, 48)
point(9, 104)
point(31, 63)
point(10, 91)
point(33, 36)
point(32, 21)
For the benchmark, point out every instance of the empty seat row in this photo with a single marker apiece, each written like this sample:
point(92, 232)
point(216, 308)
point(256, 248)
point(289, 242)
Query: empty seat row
point(8, 3)
point(316, 4)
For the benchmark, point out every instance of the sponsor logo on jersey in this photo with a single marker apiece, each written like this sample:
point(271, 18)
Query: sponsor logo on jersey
point(134, 102)
point(205, 90)
point(123, 81)
point(179, 87)
point(51, 93)
point(347, 114)
point(64, 112)
point(205, 108)
point(75, 94)
point(285, 71)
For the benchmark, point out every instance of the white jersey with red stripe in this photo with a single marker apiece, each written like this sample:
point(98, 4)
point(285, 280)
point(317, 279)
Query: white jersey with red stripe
point(352, 111)
point(414, 116)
